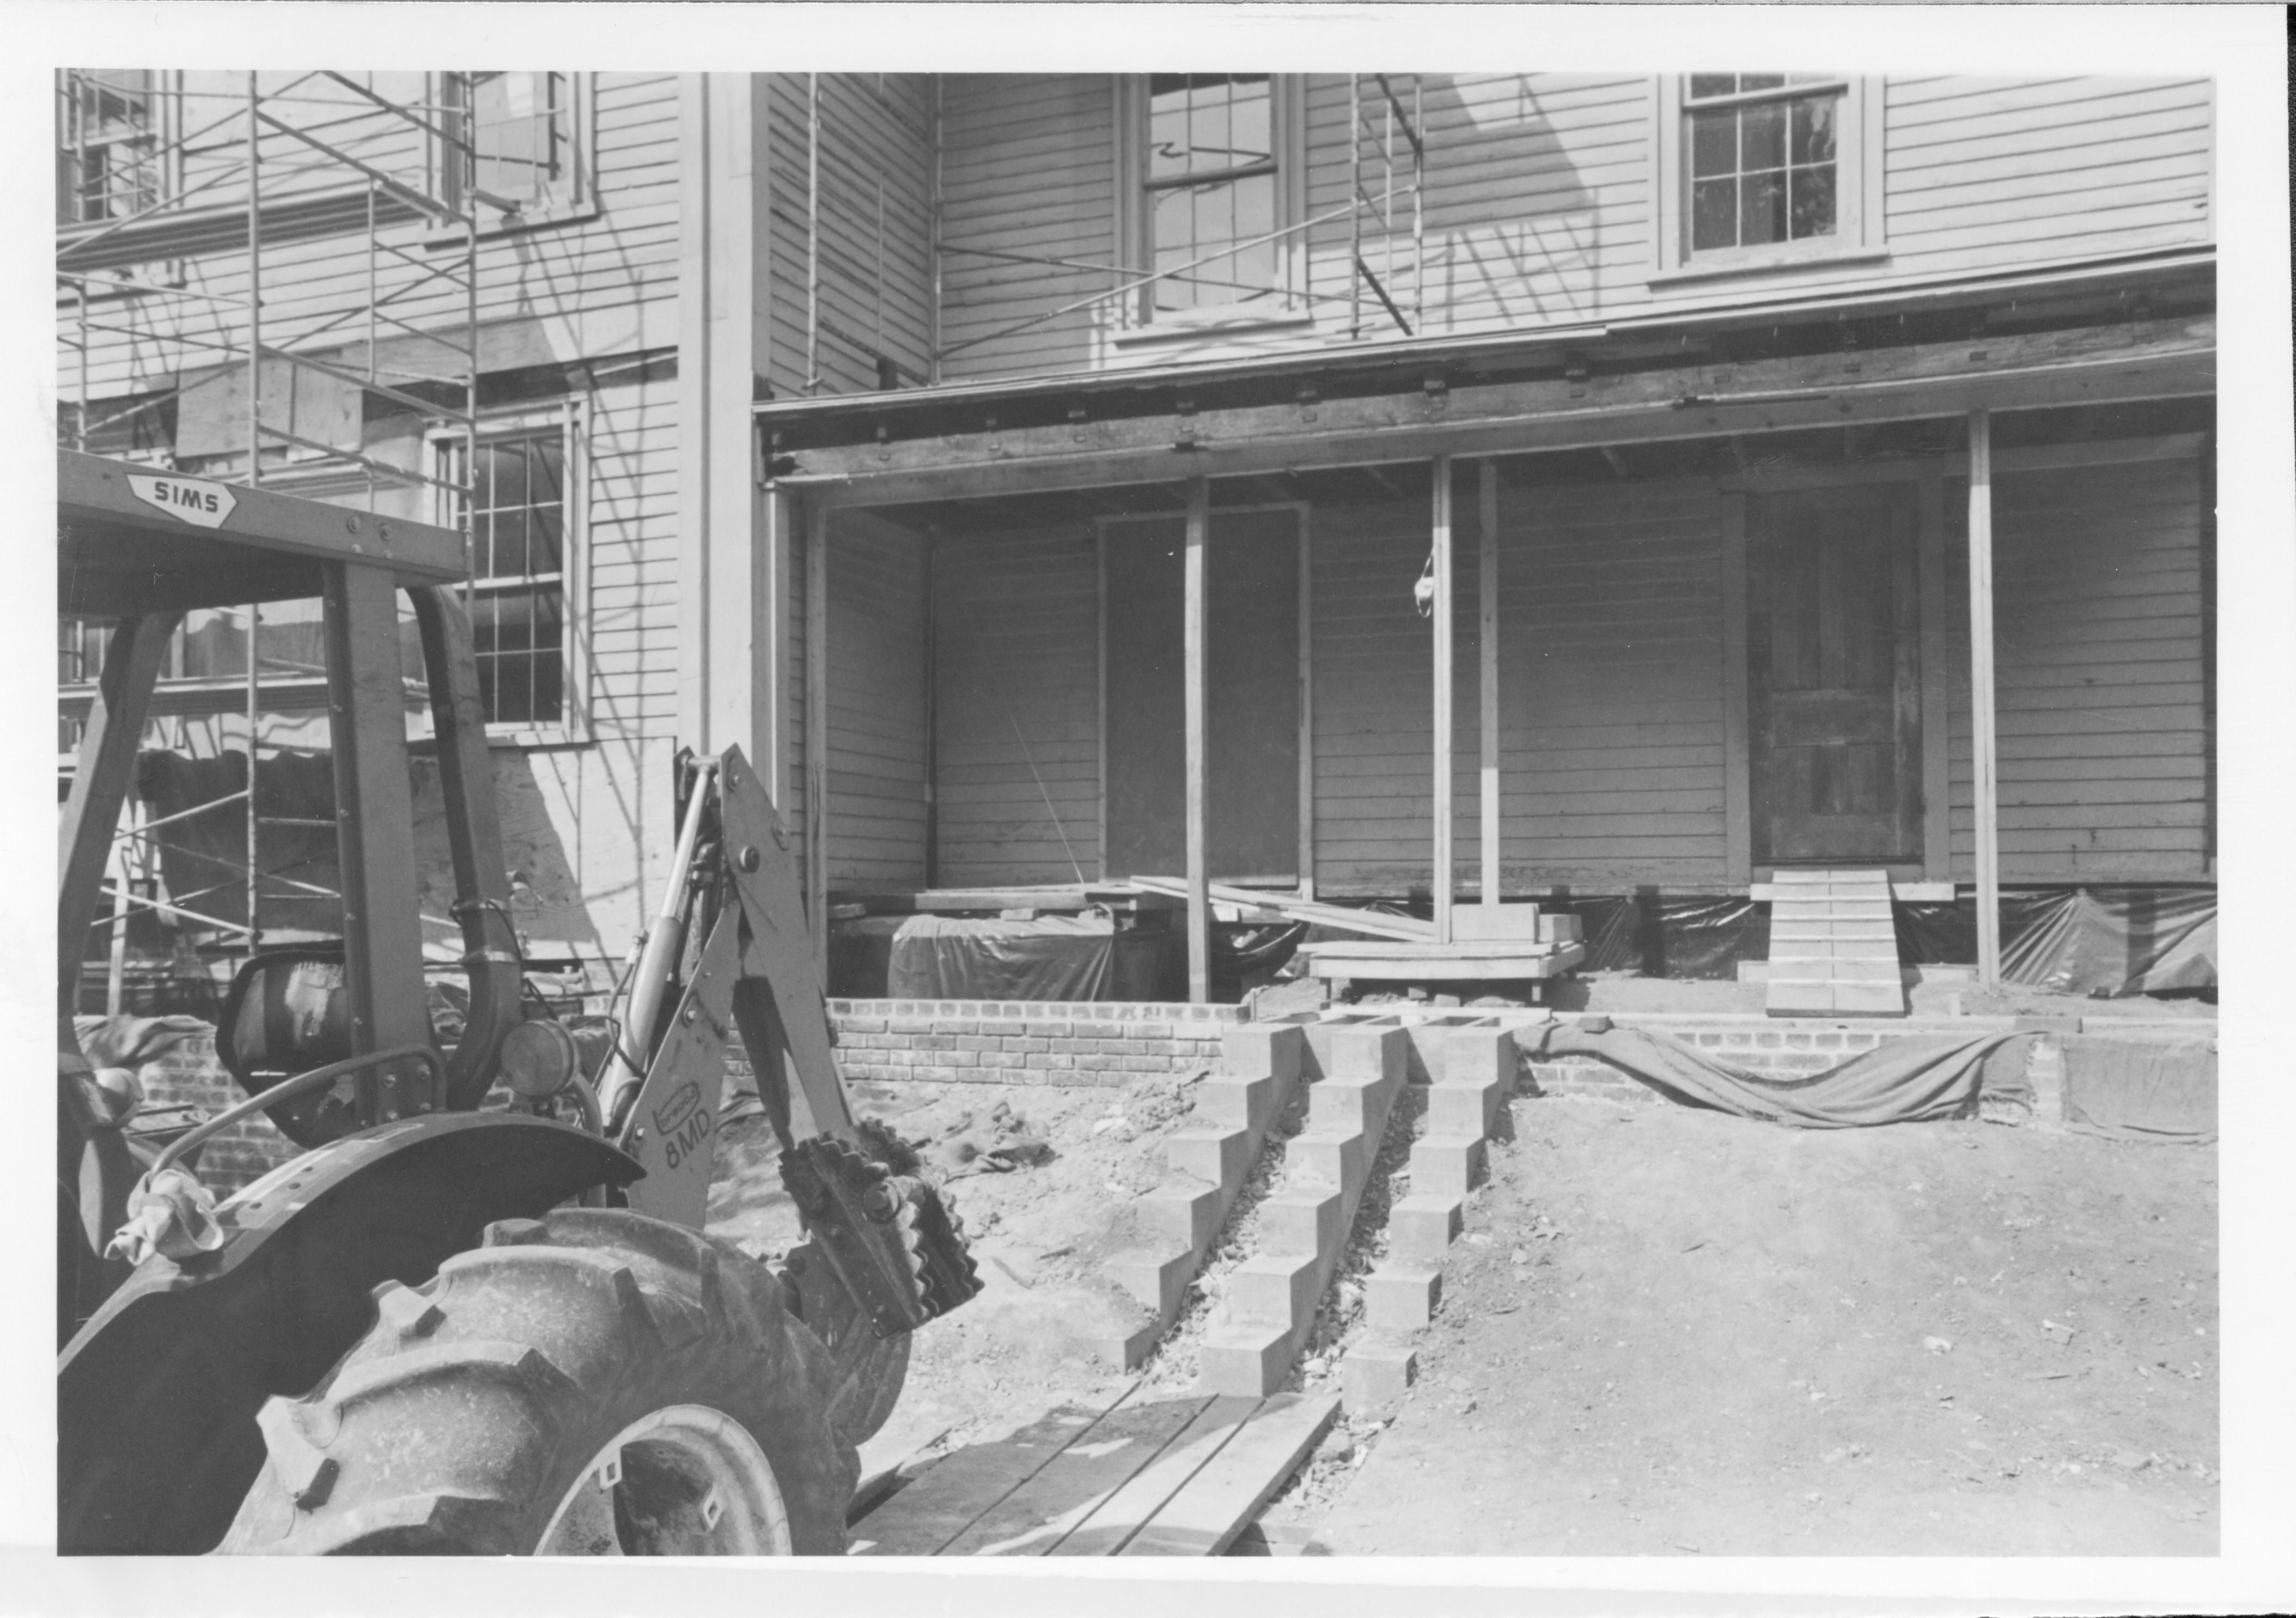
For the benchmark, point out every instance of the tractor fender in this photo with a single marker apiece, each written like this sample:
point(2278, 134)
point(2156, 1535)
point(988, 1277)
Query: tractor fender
point(157, 1395)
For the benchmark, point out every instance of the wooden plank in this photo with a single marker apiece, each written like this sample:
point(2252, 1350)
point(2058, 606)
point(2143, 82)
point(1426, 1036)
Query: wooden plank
point(1112, 1524)
point(1487, 645)
point(816, 730)
point(1401, 927)
point(1071, 1486)
point(1307, 708)
point(1205, 1517)
point(1443, 876)
point(1192, 650)
point(1983, 745)
point(926, 1515)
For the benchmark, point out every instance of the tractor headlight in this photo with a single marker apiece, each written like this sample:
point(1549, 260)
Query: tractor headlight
point(537, 1059)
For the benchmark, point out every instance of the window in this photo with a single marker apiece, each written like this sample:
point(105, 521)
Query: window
point(1763, 171)
point(528, 136)
point(111, 157)
point(525, 539)
point(1211, 160)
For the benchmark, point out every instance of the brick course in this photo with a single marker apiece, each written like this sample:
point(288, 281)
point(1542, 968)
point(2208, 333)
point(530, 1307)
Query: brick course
point(1012, 1042)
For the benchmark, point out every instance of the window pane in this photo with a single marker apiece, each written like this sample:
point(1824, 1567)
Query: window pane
point(1249, 130)
point(508, 559)
point(506, 466)
point(1813, 128)
point(1762, 209)
point(1713, 144)
point(1712, 84)
point(1713, 214)
point(1760, 81)
point(1168, 137)
point(1813, 201)
point(545, 537)
point(1764, 133)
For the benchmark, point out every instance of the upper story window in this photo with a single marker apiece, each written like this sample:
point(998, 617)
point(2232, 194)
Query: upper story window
point(1211, 160)
point(1764, 171)
point(528, 140)
point(112, 157)
point(525, 541)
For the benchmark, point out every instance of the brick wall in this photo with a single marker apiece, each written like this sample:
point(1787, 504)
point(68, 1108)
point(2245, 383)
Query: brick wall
point(1025, 1042)
point(189, 1075)
point(1770, 1053)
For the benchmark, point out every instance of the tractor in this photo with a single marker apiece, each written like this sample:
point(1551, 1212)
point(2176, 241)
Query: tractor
point(479, 1314)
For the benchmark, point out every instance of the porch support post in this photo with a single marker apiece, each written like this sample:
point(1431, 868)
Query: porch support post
point(1488, 710)
point(1192, 657)
point(817, 735)
point(1441, 554)
point(1982, 746)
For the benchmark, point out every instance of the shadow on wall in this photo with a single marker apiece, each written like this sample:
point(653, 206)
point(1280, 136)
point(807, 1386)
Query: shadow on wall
point(1513, 233)
point(549, 907)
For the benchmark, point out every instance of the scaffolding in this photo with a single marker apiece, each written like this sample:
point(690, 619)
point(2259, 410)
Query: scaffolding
point(271, 259)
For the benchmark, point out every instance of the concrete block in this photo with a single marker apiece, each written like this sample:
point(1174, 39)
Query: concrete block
point(1559, 929)
point(1274, 1289)
point(1401, 1297)
point(1480, 922)
point(1183, 1214)
point(1869, 970)
point(1249, 1362)
point(1872, 999)
point(1348, 1103)
point(1233, 1103)
point(1376, 1374)
point(1478, 1055)
point(1154, 1280)
point(1448, 1165)
point(1306, 1220)
point(1359, 1051)
point(1799, 996)
point(1262, 1050)
point(1421, 1227)
point(1217, 1155)
point(1321, 1158)
point(1127, 1351)
point(1464, 1109)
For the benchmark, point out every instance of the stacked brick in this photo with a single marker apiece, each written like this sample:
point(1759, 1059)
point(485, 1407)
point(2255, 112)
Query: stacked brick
point(1771, 1052)
point(1027, 1042)
point(189, 1075)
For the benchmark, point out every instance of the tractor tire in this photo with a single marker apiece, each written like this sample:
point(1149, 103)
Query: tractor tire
point(591, 1383)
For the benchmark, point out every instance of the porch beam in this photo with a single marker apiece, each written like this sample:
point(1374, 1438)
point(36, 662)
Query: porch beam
point(1192, 658)
point(1441, 553)
point(816, 736)
point(2131, 360)
point(1487, 711)
point(1984, 747)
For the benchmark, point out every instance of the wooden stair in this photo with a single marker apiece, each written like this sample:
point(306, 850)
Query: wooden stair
point(1833, 946)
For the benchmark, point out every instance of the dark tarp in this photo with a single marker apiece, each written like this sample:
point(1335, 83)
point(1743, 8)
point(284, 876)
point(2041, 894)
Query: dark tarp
point(2100, 942)
point(1908, 1080)
point(1053, 958)
point(2138, 1090)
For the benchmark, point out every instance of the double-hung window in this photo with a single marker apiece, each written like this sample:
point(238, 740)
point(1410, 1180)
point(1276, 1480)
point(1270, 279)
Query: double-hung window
point(1210, 162)
point(525, 517)
point(1764, 171)
point(113, 157)
point(524, 156)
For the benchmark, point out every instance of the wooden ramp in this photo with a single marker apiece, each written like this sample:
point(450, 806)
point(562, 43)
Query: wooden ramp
point(1178, 1477)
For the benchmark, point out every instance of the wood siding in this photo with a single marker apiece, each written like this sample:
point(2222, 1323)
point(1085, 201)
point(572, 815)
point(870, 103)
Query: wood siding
point(2097, 629)
point(876, 788)
point(1017, 662)
point(1027, 167)
point(1538, 208)
point(875, 265)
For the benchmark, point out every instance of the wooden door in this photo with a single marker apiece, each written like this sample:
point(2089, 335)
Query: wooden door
point(1834, 682)
point(1252, 706)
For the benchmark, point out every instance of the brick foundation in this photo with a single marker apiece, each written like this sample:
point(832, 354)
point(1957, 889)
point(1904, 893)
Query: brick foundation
point(189, 1075)
point(1025, 1042)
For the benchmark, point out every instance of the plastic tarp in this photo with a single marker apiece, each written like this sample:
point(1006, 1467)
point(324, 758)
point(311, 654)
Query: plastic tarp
point(2100, 942)
point(1910, 1081)
point(1051, 958)
point(2132, 1090)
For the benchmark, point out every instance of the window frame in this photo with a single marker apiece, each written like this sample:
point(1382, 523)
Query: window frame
point(1138, 317)
point(573, 726)
point(579, 198)
point(1859, 235)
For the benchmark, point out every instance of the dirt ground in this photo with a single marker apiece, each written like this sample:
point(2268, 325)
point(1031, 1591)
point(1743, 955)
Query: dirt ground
point(1670, 1332)
point(1665, 1331)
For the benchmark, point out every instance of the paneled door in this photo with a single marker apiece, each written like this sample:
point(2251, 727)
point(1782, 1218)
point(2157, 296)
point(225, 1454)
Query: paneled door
point(1833, 676)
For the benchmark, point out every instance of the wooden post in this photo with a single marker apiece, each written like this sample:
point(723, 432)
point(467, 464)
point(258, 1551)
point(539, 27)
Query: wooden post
point(1982, 748)
point(1200, 930)
point(816, 736)
point(1737, 753)
point(1488, 709)
point(1441, 552)
point(1307, 705)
